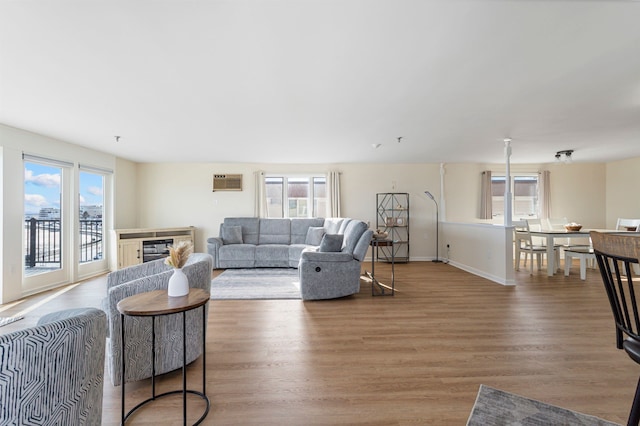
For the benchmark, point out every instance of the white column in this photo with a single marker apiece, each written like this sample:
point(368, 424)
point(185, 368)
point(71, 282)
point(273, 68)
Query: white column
point(508, 197)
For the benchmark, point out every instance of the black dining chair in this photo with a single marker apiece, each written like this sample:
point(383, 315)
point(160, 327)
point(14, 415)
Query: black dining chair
point(616, 254)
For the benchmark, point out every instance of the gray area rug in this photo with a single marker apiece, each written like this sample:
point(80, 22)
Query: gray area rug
point(496, 407)
point(258, 283)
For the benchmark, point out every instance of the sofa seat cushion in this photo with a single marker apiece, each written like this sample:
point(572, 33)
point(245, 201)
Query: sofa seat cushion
point(237, 256)
point(295, 250)
point(272, 256)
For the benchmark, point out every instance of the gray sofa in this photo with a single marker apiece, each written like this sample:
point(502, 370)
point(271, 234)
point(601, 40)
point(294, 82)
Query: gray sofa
point(151, 276)
point(325, 272)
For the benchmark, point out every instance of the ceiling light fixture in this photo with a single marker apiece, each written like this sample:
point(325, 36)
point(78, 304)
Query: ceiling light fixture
point(375, 145)
point(400, 138)
point(567, 156)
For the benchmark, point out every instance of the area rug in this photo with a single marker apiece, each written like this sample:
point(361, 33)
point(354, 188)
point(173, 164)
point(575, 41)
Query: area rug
point(496, 407)
point(258, 283)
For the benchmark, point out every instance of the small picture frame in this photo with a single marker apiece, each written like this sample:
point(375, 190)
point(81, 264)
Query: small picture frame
point(400, 221)
point(389, 221)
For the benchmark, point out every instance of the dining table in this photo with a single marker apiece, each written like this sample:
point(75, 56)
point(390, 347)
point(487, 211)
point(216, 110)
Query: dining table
point(552, 234)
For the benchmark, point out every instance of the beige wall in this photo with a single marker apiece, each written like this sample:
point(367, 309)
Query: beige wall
point(181, 195)
point(577, 190)
point(622, 198)
point(125, 203)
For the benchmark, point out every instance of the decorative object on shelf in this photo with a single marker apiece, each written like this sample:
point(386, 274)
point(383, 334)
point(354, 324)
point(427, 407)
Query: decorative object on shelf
point(178, 255)
point(573, 227)
point(380, 234)
point(392, 222)
point(437, 259)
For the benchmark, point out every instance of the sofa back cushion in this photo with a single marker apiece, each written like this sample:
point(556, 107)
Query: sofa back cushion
point(363, 245)
point(231, 234)
point(299, 227)
point(275, 231)
point(250, 226)
point(352, 234)
point(332, 225)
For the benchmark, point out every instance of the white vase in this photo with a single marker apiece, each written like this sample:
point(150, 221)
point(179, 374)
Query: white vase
point(178, 284)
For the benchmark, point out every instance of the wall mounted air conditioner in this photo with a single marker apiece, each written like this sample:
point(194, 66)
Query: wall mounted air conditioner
point(227, 182)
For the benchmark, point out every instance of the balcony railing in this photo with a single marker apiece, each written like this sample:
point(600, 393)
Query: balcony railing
point(44, 242)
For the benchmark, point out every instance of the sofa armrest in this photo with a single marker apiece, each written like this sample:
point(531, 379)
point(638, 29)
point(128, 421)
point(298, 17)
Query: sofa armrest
point(213, 244)
point(325, 256)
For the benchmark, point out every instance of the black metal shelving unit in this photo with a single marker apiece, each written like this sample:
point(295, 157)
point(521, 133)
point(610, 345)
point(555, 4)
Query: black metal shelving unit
point(392, 216)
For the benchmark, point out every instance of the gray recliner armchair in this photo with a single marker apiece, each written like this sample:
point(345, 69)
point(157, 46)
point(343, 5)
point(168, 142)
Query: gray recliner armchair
point(328, 275)
point(53, 373)
point(141, 278)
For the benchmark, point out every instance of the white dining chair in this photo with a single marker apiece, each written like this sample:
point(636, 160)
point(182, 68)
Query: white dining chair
point(627, 224)
point(537, 225)
point(524, 244)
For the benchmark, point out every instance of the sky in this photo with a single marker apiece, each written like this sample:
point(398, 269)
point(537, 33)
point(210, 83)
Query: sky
point(42, 188)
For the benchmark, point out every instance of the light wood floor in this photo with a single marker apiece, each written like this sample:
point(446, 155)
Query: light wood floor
point(415, 358)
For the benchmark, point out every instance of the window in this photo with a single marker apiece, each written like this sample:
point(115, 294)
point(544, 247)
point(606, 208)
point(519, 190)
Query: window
point(91, 200)
point(525, 195)
point(296, 196)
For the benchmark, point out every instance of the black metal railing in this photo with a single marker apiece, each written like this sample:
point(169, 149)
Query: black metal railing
point(90, 240)
point(44, 241)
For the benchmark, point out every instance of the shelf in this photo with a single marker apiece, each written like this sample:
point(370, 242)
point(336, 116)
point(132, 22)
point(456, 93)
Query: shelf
point(392, 216)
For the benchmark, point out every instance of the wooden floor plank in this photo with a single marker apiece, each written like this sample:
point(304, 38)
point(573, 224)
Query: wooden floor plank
point(415, 358)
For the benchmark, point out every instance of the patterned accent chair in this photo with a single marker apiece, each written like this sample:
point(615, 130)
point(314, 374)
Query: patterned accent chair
point(141, 278)
point(53, 373)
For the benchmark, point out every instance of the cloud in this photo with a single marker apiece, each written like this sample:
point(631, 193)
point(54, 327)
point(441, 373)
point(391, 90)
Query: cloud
point(94, 190)
point(44, 179)
point(82, 200)
point(34, 202)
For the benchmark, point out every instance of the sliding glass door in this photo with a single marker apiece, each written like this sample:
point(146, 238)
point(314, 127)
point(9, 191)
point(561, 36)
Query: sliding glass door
point(46, 237)
point(64, 236)
point(91, 234)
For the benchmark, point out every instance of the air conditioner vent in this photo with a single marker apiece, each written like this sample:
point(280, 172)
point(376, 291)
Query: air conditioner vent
point(227, 182)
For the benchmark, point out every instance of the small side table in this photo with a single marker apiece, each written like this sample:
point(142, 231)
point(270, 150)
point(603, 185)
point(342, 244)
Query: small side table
point(158, 303)
point(375, 244)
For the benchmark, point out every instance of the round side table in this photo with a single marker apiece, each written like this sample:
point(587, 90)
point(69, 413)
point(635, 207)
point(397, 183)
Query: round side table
point(157, 303)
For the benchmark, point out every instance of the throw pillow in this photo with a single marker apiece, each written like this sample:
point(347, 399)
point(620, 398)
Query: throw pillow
point(331, 242)
point(314, 235)
point(231, 234)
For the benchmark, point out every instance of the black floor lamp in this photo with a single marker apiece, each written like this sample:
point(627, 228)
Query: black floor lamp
point(437, 259)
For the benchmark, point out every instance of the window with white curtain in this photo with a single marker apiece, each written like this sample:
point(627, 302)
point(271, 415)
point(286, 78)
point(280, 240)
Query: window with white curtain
point(296, 195)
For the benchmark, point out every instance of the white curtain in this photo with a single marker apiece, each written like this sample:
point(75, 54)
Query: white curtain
point(333, 194)
point(544, 194)
point(486, 209)
point(260, 205)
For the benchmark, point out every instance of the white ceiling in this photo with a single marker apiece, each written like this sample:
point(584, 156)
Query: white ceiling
point(321, 81)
